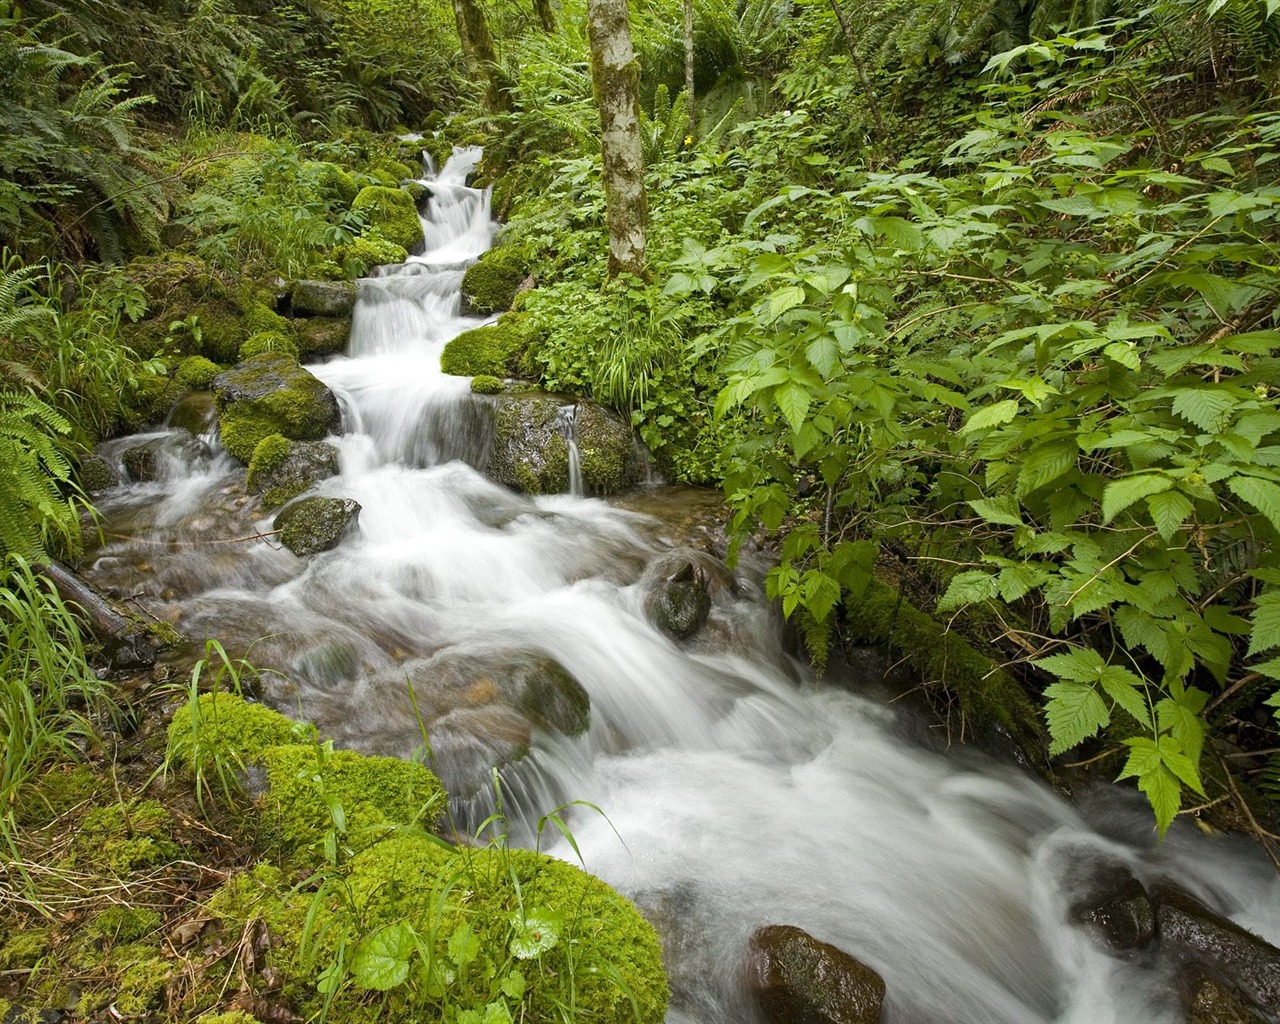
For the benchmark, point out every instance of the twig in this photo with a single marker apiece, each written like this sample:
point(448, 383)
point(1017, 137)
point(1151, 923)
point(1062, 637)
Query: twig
point(1264, 837)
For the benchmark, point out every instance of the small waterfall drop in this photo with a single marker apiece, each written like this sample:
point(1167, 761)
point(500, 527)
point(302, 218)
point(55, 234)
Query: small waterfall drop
point(567, 426)
point(739, 791)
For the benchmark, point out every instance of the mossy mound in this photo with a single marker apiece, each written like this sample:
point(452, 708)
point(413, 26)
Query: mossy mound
point(335, 182)
point(196, 373)
point(609, 458)
point(122, 838)
point(495, 350)
point(268, 341)
point(272, 394)
point(221, 727)
point(321, 335)
point(490, 285)
point(370, 250)
point(392, 212)
point(579, 947)
point(486, 385)
point(996, 707)
point(306, 783)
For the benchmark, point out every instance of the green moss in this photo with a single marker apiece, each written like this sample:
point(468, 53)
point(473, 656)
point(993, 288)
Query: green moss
point(25, 949)
point(119, 923)
point(267, 341)
point(322, 335)
point(486, 385)
point(370, 250)
point(390, 172)
point(230, 1017)
point(490, 285)
point(594, 937)
point(196, 373)
point(59, 790)
point(373, 792)
point(491, 351)
point(222, 725)
point(989, 697)
point(259, 319)
point(269, 455)
point(271, 394)
point(392, 213)
point(121, 838)
point(336, 183)
point(141, 986)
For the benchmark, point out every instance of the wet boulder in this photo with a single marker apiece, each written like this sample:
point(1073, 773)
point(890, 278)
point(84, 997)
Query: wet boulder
point(323, 298)
point(96, 474)
point(679, 604)
point(1209, 1002)
point(1116, 909)
point(1198, 938)
point(194, 412)
point(316, 524)
point(281, 469)
point(272, 394)
point(322, 335)
point(154, 459)
point(795, 979)
point(530, 447)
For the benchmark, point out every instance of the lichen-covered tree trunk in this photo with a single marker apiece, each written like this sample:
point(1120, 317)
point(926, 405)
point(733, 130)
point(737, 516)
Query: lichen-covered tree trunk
point(688, 70)
point(615, 78)
point(546, 16)
point(478, 48)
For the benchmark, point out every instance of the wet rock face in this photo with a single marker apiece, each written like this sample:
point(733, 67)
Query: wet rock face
point(679, 605)
point(1197, 937)
point(1213, 1003)
point(149, 461)
point(1117, 910)
point(315, 524)
point(323, 298)
point(530, 451)
point(795, 979)
point(272, 394)
point(298, 467)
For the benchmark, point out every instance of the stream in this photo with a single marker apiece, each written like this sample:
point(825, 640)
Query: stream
point(739, 791)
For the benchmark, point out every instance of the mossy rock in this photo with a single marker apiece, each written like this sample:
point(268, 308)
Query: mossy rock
point(95, 474)
point(272, 394)
point(494, 350)
point(392, 212)
point(281, 469)
point(336, 183)
point(581, 947)
point(376, 794)
point(486, 385)
point(490, 285)
point(610, 459)
point(223, 728)
point(196, 373)
point(268, 341)
point(999, 713)
point(322, 298)
point(312, 525)
point(371, 249)
point(320, 336)
point(529, 451)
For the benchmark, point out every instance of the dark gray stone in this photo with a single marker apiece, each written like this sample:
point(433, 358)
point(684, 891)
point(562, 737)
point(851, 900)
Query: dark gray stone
point(315, 524)
point(307, 463)
point(152, 459)
point(323, 298)
point(795, 979)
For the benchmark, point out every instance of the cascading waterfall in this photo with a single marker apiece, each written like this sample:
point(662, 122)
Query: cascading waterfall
point(567, 426)
point(739, 792)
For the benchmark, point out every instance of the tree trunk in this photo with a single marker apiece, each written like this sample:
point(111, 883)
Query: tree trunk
point(478, 49)
point(546, 16)
point(861, 68)
point(615, 78)
point(125, 640)
point(692, 133)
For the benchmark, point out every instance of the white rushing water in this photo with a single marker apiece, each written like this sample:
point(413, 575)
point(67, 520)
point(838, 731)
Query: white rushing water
point(739, 792)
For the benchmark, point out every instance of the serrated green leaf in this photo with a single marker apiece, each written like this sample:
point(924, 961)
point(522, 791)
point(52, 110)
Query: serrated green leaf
point(1074, 712)
point(1045, 463)
point(1123, 687)
point(1187, 772)
point(824, 354)
point(1120, 494)
point(1269, 668)
point(1265, 633)
point(514, 984)
point(1124, 353)
point(1207, 409)
point(1003, 510)
point(1169, 510)
point(1183, 723)
point(967, 588)
point(1261, 494)
point(381, 960)
point(991, 416)
point(1082, 665)
point(784, 299)
point(793, 401)
point(1164, 794)
point(464, 946)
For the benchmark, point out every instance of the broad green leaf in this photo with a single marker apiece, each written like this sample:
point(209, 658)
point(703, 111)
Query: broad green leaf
point(1209, 410)
point(1082, 665)
point(968, 587)
point(1074, 712)
point(1176, 761)
point(1124, 353)
point(1045, 463)
point(1120, 494)
point(1003, 510)
point(1164, 794)
point(821, 592)
point(824, 354)
point(514, 984)
point(1169, 510)
point(1261, 494)
point(381, 960)
point(464, 946)
point(535, 933)
point(1266, 623)
point(793, 400)
point(1269, 668)
point(784, 299)
point(1183, 723)
point(991, 416)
